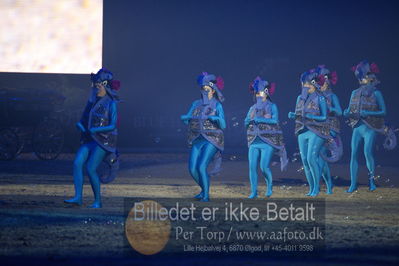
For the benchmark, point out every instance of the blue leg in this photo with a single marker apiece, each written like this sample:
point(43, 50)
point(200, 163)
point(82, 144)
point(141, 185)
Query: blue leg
point(314, 146)
point(80, 159)
point(325, 171)
point(266, 156)
point(253, 158)
point(322, 163)
point(303, 140)
point(354, 165)
point(207, 153)
point(369, 137)
point(97, 154)
point(193, 164)
point(327, 178)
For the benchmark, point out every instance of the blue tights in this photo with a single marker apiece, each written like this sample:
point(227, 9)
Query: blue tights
point(325, 168)
point(309, 147)
point(263, 151)
point(360, 133)
point(325, 171)
point(201, 155)
point(93, 154)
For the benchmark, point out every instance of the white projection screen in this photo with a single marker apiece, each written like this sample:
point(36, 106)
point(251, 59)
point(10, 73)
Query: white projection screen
point(51, 36)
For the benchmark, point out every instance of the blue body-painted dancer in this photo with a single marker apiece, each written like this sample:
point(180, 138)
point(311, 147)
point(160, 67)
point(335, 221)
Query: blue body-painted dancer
point(264, 136)
point(366, 113)
point(310, 127)
point(98, 127)
point(206, 122)
point(334, 145)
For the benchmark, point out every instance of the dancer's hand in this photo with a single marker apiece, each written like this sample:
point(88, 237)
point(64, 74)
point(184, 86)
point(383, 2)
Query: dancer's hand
point(258, 120)
point(185, 117)
point(291, 115)
point(332, 110)
point(80, 127)
point(213, 118)
point(346, 112)
point(310, 116)
point(363, 113)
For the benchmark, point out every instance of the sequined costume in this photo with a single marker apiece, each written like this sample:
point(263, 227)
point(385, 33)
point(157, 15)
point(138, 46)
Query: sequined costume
point(333, 145)
point(310, 127)
point(366, 113)
point(264, 135)
point(206, 122)
point(98, 127)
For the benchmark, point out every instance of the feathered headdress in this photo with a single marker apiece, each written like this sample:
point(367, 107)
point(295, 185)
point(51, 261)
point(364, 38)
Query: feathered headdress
point(258, 85)
point(310, 76)
point(364, 69)
point(324, 75)
point(216, 83)
point(110, 84)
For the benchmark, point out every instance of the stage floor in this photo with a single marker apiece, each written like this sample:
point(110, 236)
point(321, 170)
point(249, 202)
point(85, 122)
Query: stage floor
point(35, 223)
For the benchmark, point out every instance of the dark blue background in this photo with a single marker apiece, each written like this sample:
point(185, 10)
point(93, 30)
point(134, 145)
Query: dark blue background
point(158, 47)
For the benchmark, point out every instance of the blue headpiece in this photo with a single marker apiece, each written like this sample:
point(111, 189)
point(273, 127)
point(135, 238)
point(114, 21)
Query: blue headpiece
point(322, 70)
point(212, 81)
point(326, 75)
point(106, 76)
point(364, 69)
point(310, 76)
point(102, 75)
point(258, 85)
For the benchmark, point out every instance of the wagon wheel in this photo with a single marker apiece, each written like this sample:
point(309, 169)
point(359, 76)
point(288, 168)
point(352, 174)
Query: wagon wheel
point(21, 147)
point(9, 144)
point(48, 139)
point(21, 138)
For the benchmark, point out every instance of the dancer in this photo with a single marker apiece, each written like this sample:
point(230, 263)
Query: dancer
point(264, 135)
point(310, 127)
point(205, 121)
point(366, 113)
point(98, 134)
point(334, 145)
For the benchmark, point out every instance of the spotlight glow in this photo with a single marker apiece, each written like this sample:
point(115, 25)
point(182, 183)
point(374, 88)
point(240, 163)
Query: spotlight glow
point(47, 36)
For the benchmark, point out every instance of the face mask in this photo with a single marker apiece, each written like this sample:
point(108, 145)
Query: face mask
point(259, 101)
point(328, 89)
point(368, 88)
point(368, 85)
point(205, 99)
point(93, 94)
point(304, 93)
